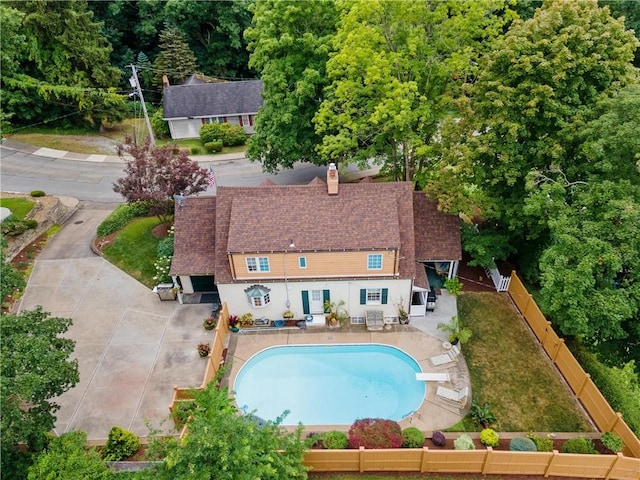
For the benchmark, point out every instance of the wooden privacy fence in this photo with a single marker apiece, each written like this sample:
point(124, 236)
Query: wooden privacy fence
point(214, 362)
point(487, 461)
point(605, 418)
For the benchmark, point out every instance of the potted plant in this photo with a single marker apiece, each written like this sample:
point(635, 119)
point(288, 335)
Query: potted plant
point(245, 320)
point(204, 349)
point(288, 314)
point(210, 323)
point(456, 332)
point(233, 323)
point(334, 313)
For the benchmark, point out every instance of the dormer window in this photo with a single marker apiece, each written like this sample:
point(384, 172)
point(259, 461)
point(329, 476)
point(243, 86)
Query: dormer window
point(257, 264)
point(374, 261)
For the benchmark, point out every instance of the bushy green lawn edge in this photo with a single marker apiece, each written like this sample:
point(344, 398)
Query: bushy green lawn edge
point(134, 250)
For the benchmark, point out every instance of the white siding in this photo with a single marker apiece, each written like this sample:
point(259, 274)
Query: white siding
point(349, 291)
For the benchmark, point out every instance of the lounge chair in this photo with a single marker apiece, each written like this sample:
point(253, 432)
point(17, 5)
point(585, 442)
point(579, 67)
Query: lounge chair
point(450, 356)
point(433, 377)
point(458, 397)
point(374, 319)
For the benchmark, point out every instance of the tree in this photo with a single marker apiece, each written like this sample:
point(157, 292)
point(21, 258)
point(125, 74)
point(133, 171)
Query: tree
point(290, 44)
point(36, 368)
point(396, 67)
point(66, 457)
point(220, 444)
point(156, 174)
point(64, 70)
point(176, 60)
point(214, 30)
point(526, 110)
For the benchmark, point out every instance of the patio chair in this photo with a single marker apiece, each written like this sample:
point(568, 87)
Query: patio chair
point(457, 397)
point(450, 356)
point(374, 319)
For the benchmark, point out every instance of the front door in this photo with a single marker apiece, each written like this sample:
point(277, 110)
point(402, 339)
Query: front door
point(316, 302)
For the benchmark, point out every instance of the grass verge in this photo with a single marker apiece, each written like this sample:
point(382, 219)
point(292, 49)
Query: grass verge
point(510, 371)
point(19, 207)
point(134, 250)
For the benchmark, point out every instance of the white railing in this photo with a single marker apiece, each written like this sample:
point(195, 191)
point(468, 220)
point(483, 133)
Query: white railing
point(501, 283)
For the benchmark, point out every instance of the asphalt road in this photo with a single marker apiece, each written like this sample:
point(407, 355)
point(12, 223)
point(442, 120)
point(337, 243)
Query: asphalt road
point(93, 181)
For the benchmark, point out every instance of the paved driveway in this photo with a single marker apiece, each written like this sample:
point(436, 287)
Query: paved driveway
point(131, 347)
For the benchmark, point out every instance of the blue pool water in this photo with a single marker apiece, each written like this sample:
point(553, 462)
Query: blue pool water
point(330, 384)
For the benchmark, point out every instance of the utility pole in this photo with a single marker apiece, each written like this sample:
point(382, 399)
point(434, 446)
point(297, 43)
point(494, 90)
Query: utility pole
point(136, 84)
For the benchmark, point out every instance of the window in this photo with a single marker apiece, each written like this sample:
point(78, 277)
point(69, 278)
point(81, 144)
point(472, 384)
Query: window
point(302, 262)
point(374, 296)
point(374, 261)
point(258, 296)
point(214, 120)
point(257, 264)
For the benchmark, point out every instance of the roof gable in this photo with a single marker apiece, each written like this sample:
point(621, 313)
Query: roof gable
point(212, 99)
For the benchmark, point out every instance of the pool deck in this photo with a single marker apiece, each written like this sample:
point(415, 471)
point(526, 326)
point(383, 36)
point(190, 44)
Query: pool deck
point(432, 415)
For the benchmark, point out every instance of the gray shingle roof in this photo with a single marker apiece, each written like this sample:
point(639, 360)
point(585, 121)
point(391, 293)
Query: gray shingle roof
point(212, 99)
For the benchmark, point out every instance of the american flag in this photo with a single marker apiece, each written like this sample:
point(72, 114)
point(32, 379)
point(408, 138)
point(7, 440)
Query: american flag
point(212, 177)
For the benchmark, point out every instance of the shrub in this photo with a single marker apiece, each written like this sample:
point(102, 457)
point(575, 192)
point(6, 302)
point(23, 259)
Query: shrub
point(13, 228)
point(375, 433)
point(438, 439)
point(542, 444)
point(234, 136)
point(159, 126)
point(578, 445)
point(162, 266)
point(213, 147)
point(463, 442)
point(121, 216)
point(120, 444)
point(612, 441)
point(212, 132)
point(482, 415)
point(195, 150)
point(165, 246)
point(412, 438)
point(30, 223)
point(335, 440)
point(37, 193)
point(489, 437)
point(522, 444)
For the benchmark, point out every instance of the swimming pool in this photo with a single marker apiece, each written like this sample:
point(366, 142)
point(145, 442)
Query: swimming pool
point(330, 384)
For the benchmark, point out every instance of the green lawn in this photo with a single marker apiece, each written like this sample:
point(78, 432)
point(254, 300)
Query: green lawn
point(19, 207)
point(510, 371)
point(134, 250)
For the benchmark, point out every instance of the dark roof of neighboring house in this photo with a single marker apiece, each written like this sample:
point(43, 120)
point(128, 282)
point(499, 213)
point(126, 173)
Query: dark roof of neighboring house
point(363, 216)
point(438, 233)
point(212, 99)
point(195, 229)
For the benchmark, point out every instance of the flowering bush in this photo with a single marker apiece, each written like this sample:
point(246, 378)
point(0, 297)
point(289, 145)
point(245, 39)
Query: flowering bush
point(463, 442)
point(438, 439)
point(233, 321)
point(209, 323)
point(163, 264)
point(375, 433)
point(489, 437)
point(203, 349)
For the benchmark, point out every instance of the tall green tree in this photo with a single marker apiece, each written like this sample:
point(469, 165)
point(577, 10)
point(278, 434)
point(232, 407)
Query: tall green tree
point(221, 444)
point(176, 60)
point(214, 31)
point(525, 111)
point(36, 368)
point(396, 67)
point(290, 44)
point(64, 74)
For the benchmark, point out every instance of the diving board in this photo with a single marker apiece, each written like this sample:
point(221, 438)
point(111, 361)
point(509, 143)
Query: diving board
point(433, 377)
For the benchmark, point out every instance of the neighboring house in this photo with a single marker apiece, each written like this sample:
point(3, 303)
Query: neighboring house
point(187, 107)
point(272, 248)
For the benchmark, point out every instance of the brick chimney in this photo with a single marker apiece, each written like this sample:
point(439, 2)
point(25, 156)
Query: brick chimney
point(165, 81)
point(332, 179)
